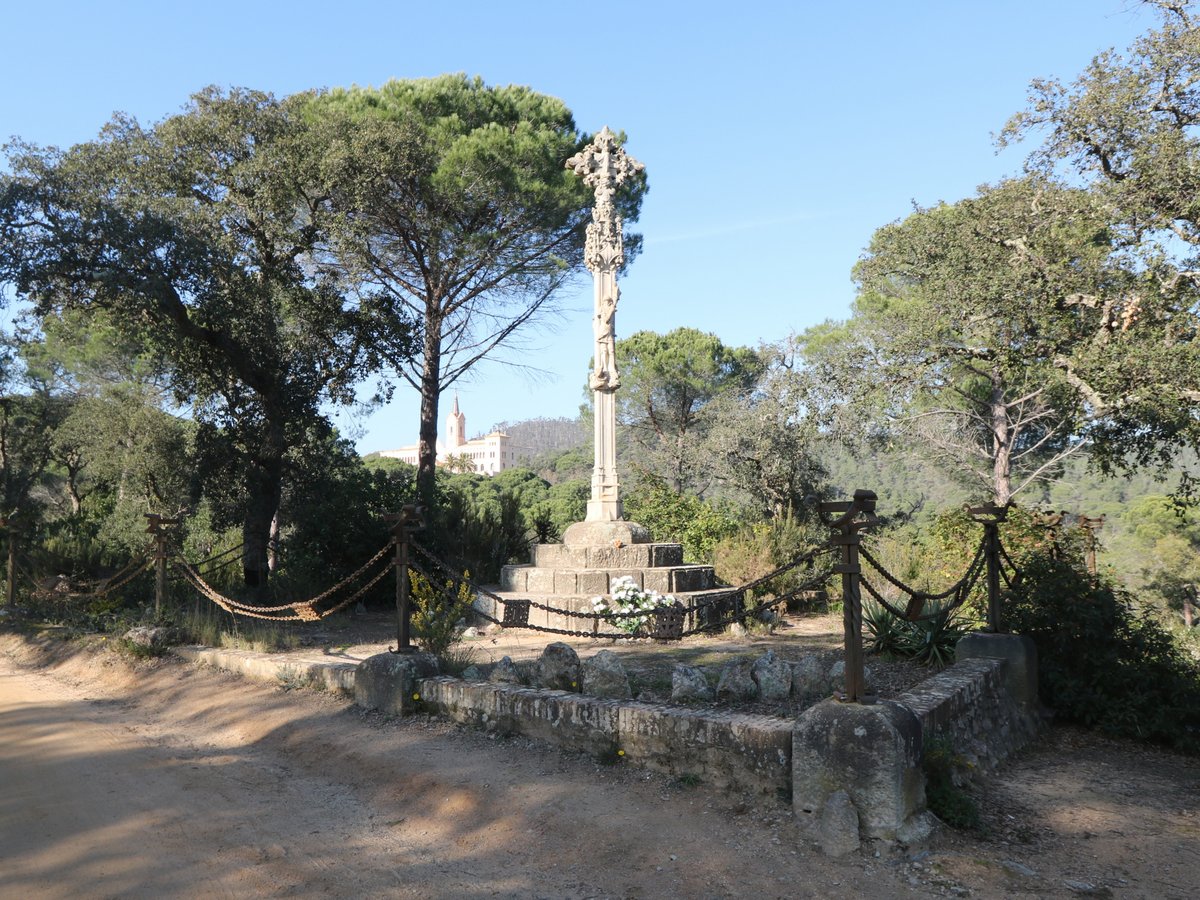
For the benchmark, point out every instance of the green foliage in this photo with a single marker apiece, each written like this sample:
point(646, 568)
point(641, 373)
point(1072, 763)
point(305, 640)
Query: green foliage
point(761, 447)
point(993, 395)
point(760, 548)
point(946, 799)
point(678, 518)
point(667, 384)
point(436, 610)
point(192, 238)
point(1102, 661)
point(469, 223)
point(1128, 127)
point(928, 641)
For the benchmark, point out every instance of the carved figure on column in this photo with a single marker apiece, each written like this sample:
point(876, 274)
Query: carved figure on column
point(604, 324)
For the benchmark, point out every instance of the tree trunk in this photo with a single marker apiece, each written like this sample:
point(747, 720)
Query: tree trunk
point(273, 545)
point(264, 486)
point(431, 377)
point(1001, 444)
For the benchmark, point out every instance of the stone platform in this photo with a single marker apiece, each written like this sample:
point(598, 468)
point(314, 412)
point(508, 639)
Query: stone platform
point(568, 577)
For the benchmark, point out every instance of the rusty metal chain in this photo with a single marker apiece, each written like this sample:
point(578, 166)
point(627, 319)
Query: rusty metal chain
point(913, 613)
point(119, 579)
point(913, 592)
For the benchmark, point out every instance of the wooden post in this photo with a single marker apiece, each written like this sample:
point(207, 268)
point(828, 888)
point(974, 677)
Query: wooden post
point(158, 526)
point(847, 527)
point(990, 516)
point(1090, 525)
point(10, 584)
point(404, 523)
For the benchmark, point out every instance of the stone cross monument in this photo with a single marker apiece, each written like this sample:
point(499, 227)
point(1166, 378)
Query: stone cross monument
point(604, 167)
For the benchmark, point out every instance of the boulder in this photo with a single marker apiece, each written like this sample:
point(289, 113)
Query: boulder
point(689, 683)
point(154, 637)
point(773, 677)
point(505, 672)
point(836, 680)
point(737, 682)
point(388, 681)
point(873, 753)
point(809, 677)
point(603, 675)
point(471, 673)
point(558, 668)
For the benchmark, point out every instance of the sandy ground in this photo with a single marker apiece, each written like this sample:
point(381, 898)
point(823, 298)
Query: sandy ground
point(162, 780)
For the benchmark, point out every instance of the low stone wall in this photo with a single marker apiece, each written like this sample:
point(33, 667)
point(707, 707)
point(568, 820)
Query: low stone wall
point(727, 750)
point(322, 674)
point(851, 769)
point(969, 705)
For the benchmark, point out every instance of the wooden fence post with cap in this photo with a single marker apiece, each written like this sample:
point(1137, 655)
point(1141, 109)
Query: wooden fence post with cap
point(404, 523)
point(1090, 525)
point(989, 515)
point(158, 526)
point(855, 515)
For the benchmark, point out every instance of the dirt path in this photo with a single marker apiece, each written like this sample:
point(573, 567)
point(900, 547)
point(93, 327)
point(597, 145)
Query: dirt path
point(163, 780)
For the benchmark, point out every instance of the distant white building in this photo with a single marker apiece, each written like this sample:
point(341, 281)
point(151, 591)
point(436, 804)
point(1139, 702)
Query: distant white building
point(489, 454)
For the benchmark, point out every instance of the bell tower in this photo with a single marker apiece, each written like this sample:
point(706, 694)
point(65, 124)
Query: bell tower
point(456, 428)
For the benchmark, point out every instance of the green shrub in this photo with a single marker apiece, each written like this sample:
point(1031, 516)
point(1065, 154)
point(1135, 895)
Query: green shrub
point(928, 641)
point(678, 517)
point(1102, 661)
point(436, 610)
point(946, 799)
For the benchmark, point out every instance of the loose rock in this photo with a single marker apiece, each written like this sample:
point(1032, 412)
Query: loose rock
point(773, 677)
point(809, 678)
point(836, 679)
point(152, 636)
point(689, 683)
point(558, 668)
point(603, 675)
point(505, 672)
point(737, 682)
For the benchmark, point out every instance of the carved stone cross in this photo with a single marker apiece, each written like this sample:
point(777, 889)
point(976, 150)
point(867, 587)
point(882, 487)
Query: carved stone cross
point(604, 166)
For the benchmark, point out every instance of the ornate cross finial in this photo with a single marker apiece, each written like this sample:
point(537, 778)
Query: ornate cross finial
point(604, 166)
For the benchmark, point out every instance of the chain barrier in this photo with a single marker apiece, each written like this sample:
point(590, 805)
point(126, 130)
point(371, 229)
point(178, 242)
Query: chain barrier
point(914, 612)
point(1016, 576)
point(301, 610)
point(118, 579)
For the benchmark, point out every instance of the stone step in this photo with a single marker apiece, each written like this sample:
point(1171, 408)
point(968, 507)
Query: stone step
point(626, 556)
point(566, 580)
point(702, 607)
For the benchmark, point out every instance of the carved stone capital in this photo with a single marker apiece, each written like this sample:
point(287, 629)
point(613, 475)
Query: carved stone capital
point(604, 249)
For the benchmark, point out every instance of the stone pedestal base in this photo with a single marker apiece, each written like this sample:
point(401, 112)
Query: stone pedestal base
point(387, 681)
point(872, 755)
point(605, 534)
point(1020, 655)
point(567, 576)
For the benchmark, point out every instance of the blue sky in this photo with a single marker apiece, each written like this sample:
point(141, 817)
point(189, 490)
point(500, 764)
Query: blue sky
point(777, 136)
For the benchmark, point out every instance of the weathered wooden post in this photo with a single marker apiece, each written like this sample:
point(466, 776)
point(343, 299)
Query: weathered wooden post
point(1090, 525)
point(404, 523)
point(10, 584)
point(158, 526)
point(856, 515)
point(990, 516)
